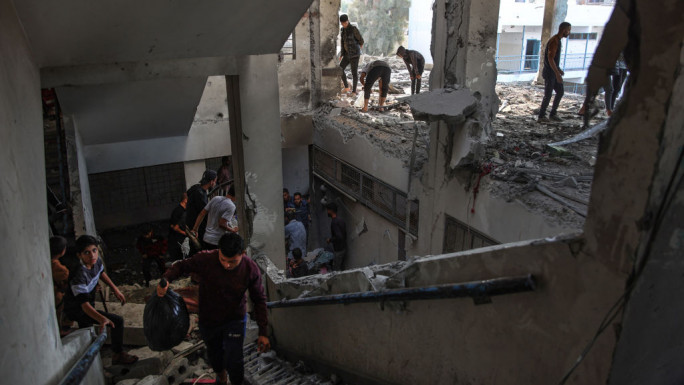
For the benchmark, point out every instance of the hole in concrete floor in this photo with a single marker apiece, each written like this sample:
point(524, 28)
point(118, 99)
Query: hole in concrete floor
point(182, 370)
point(171, 379)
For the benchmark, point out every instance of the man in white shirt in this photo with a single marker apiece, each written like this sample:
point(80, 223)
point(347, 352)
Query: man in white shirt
point(221, 211)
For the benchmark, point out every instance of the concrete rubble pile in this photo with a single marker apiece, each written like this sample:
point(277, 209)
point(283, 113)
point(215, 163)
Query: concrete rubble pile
point(519, 164)
point(554, 181)
point(392, 130)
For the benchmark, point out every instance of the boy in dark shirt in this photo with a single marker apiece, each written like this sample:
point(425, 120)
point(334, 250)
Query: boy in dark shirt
point(298, 266)
point(152, 249)
point(80, 297)
point(225, 275)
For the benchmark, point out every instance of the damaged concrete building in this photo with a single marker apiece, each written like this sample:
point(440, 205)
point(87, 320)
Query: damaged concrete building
point(447, 280)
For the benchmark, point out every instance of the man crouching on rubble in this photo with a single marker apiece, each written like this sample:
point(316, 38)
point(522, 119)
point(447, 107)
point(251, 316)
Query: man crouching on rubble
point(226, 273)
point(376, 70)
point(80, 298)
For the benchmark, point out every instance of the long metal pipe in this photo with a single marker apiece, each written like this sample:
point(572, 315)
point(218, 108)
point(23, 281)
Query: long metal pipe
point(480, 291)
point(80, 368)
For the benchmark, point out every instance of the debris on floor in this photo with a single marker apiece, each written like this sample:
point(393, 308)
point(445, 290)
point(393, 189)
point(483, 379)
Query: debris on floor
point(548, 167)
point(533, 163)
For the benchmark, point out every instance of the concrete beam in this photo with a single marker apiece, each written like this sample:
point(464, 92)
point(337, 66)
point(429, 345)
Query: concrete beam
point(96, 74)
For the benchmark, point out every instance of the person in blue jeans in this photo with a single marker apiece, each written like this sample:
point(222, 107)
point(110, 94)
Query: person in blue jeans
point(226, 275)
point(553, 75)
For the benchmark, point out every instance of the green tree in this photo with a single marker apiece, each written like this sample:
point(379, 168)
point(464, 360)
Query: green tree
point(382, 24)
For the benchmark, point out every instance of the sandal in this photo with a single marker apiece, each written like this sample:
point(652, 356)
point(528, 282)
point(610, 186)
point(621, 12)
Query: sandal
point(124, 358)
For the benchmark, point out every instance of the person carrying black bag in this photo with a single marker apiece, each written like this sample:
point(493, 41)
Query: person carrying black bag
point(226, 275)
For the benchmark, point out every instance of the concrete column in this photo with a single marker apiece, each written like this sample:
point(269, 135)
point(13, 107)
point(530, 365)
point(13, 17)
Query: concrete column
point(315, 51)
point(79, 186)
point(261, 141)
point(32, 351)
point(464, 48)
point(328, 32)
point(555, 12)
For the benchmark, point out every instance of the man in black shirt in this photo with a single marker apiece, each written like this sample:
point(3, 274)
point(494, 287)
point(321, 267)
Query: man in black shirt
point(352, 43)
point(197, 200)
point(338, 236)
point(415, 63)
point(177, 229)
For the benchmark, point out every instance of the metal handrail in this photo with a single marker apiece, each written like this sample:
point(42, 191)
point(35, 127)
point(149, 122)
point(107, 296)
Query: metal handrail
point(480, 291)
point(80, 368)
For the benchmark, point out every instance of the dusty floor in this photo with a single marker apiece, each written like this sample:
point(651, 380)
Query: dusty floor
point(523, 166)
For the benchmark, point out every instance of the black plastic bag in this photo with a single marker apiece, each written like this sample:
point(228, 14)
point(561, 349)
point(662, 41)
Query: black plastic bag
point(165, 321)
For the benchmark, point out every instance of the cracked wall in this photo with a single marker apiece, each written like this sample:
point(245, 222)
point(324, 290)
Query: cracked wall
point(446, 340)
point(463, 46)
point(28, 318)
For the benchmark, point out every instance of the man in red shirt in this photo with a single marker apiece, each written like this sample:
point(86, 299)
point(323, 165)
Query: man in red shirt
point(226, 274)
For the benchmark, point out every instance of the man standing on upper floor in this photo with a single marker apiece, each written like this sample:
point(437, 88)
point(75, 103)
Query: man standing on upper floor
point(553, 76)
point(197, 200)
point(415, 63)
point(352, 43)
point(338, 236)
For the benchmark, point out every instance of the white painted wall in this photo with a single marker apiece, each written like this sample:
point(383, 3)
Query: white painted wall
point(513, 40)
point(420, 28)
point(296, 169)
point(32, 351)
point(532, 14)
point(208, 137)
point(193, 172)
point(360, 152)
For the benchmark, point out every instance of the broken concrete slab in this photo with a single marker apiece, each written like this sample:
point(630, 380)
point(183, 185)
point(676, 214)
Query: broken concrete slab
point(153, 380)
point(132, 314)
point(583, 135)
point(130, 381)
point(567, 182)
point(445, 104)
point(177, 371)
point(145, 352)
point(350, 281)
point(140, 369)
point(182, 346)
